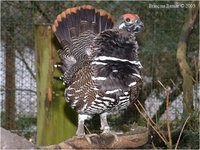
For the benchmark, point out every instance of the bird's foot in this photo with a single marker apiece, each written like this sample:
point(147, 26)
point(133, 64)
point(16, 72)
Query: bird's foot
point(89, 136)
point(80, 135)
point(110, 133)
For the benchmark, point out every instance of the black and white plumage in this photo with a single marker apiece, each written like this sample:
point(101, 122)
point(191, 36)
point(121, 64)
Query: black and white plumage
point(99, 62)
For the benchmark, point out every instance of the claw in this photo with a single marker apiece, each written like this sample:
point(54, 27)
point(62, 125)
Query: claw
point(114, 134)
point(88, 137)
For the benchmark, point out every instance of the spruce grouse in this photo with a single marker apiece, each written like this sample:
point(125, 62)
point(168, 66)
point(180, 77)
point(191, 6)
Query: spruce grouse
point(99, 61)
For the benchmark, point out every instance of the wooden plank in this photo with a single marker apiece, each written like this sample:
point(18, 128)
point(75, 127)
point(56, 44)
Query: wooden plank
point(55, 121)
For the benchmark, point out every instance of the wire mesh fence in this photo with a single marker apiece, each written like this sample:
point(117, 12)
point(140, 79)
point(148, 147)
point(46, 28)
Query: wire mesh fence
point(18, 104)
point(18, 90)
point(17, 60)
point(18, 93)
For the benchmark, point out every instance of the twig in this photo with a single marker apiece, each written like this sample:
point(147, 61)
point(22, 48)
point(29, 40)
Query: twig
point(167, 115)
point(162, 85)
point(87, 129)
point(175, 85)
point(150, 119)
point(159, 133)
point(168, 120)
point(181, 132)
point(146, 113)
point(18, 89)
point(26, 90)
point(25, 63)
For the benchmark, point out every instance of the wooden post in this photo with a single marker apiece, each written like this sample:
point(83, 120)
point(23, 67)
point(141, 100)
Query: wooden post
point(55, 120)
point(10, 110)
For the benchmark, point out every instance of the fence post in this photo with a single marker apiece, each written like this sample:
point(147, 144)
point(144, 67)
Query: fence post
point(55, 119)
point(10, 85)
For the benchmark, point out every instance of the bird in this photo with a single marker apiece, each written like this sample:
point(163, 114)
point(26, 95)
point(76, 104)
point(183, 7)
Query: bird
point(99, 61)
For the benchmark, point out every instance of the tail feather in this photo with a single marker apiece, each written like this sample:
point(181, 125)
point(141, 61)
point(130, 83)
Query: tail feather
point(87, 13)
point(103, 20)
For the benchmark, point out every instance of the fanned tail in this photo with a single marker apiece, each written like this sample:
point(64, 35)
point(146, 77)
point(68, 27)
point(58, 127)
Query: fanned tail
point(74, 21)
point(75, 29)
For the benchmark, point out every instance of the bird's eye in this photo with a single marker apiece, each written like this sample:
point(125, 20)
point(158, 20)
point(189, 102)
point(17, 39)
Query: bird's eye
point(128, 19)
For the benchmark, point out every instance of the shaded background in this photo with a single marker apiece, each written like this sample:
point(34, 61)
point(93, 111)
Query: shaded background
point(158, 44)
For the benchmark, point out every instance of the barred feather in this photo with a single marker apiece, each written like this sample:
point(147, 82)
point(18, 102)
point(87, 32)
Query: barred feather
point(75, 29)
point(111, 83)
point(100, 64)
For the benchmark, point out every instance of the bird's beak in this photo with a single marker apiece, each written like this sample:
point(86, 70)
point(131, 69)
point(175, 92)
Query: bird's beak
point(137, 27)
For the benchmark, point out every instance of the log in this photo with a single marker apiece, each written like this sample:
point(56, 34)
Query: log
point(132, 139)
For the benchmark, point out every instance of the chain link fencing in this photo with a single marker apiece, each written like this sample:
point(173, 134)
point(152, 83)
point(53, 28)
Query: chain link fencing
point(18, 92)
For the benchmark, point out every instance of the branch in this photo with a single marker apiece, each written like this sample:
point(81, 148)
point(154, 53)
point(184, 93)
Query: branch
point(188, 26)
point(19, 89)
point(186, 30)
point(172, 97)
point(183, 64)
point(26, 64)
point(179, 137)
point(26, 90)
point(135, 138)
point(168, 120)
point(41, 11)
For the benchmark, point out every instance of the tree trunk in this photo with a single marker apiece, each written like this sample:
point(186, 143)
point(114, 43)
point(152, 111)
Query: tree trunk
point(184, 67)
point(55, 121)
point(10, 109)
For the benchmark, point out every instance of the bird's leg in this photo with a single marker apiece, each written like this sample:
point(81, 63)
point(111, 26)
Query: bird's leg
point(81, 131)
point(104, 124)
point(81, 118)
point(105, 127)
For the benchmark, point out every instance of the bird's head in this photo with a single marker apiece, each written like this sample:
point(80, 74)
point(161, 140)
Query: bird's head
point(130, 23)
